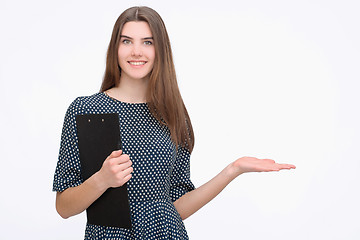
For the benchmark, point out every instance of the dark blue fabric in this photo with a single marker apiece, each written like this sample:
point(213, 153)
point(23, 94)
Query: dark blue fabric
point(161, 174)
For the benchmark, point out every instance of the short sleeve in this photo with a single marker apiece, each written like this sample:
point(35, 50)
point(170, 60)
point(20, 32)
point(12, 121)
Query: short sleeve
point(180, 177)
point(67, 173)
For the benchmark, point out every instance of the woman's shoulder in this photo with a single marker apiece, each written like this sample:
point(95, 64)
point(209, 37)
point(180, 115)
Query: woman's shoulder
point(84, 104)
point(91, 99)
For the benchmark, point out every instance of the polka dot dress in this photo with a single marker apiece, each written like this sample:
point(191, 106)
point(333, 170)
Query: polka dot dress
point(161, 174)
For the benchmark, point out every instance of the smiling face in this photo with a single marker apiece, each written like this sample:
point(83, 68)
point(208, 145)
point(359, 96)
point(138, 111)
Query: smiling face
point(136, 52)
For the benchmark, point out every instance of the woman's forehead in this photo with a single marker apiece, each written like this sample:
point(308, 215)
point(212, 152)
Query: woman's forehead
point(138, 29)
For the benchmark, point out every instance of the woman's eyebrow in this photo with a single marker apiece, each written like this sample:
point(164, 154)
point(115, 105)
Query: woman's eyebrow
point(124, 36)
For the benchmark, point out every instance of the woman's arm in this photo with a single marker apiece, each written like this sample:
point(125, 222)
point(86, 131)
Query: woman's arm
point(75, 200)
point(115, 171)
point(196, 199)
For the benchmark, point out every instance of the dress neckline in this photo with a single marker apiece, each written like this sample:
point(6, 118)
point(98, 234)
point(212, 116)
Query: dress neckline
point(126, 103)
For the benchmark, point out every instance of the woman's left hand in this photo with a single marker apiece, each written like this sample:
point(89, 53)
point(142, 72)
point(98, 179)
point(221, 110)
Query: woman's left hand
point(194, 200)
point(252, 164)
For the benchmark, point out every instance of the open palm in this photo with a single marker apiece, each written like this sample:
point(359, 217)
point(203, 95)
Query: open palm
point(252, 164)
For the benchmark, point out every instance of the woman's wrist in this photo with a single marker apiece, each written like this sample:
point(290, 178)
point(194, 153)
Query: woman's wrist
point(99, 182)
point(232, 171)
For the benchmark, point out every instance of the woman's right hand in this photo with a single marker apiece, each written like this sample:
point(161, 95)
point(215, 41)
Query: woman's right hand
point(116, 170)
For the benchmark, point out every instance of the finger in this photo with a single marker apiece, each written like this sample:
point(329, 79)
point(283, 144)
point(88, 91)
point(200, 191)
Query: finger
point(128, 171)
point(273, 170)
point(286, 166)
point(125, 173)
point(115, 154)
point(122, 180)
point(127, 178)
point(120, 159)
point(125, 165)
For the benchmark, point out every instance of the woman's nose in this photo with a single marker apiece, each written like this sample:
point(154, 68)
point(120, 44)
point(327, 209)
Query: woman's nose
point(136, 50)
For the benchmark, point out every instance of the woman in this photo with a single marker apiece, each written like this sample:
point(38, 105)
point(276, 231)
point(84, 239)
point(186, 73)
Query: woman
point(140, 85)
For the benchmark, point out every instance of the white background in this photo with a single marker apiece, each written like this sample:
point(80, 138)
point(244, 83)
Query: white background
point(270, 79)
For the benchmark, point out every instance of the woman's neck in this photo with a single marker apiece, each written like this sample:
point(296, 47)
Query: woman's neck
point(130, 90)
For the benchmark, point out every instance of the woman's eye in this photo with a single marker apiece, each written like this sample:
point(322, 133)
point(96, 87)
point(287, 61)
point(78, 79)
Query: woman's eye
point(148, 42)
point(126, 41)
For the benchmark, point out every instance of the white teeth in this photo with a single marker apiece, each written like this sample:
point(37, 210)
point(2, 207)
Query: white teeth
point(137, 63)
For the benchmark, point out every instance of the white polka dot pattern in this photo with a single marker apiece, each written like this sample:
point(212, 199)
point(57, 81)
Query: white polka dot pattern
point(161, 174)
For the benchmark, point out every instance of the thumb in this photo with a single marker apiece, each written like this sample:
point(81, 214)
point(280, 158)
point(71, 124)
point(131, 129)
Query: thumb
point(115, 153)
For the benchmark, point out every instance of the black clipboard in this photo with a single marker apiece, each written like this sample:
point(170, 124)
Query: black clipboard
point(99, 135)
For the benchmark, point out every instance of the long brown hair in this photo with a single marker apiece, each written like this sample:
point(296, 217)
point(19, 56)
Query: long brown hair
point(163, 95)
